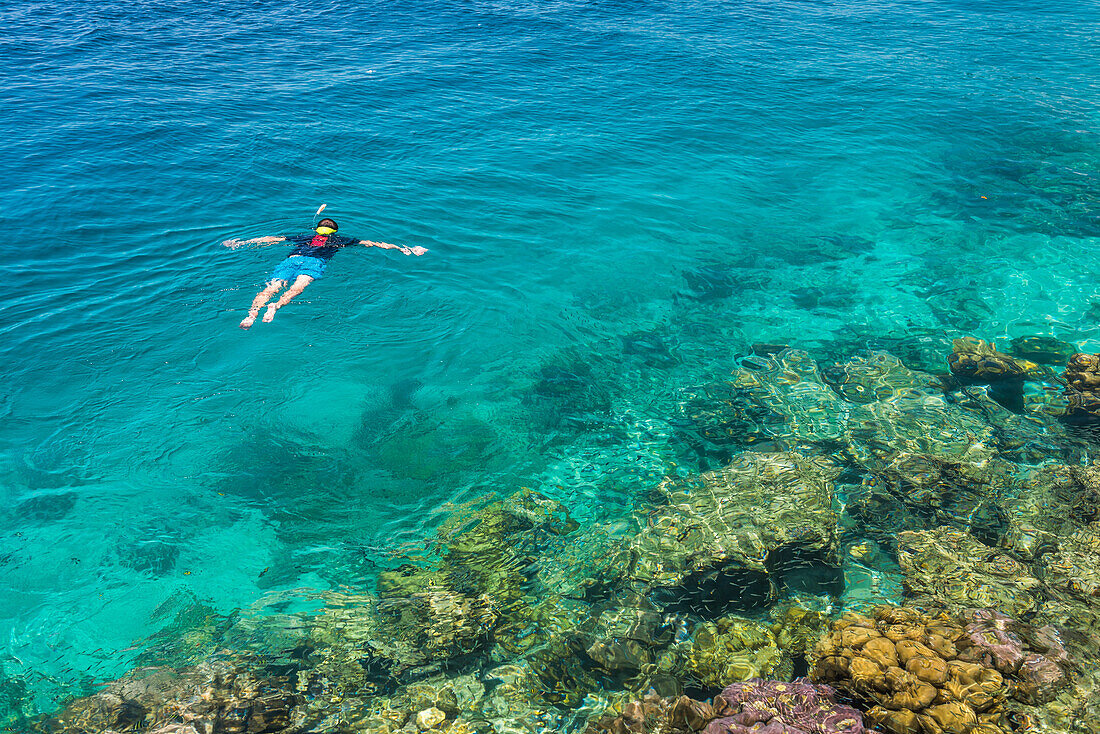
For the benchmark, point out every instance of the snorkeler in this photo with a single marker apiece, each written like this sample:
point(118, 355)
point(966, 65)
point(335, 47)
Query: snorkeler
point(305, 264)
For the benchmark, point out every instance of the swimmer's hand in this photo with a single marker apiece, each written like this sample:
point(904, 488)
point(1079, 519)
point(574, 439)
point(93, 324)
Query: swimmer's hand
point(232, 244)
point(387, 246)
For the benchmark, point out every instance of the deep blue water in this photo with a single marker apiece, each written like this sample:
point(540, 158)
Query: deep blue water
point(623, 196)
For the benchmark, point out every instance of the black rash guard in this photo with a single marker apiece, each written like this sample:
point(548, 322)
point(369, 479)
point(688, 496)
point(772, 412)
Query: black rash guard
point(320, 246)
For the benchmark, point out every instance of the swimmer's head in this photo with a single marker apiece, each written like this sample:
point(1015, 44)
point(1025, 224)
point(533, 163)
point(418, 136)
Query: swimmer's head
point(326, 226)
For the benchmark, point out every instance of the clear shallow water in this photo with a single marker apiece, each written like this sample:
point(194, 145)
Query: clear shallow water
point(632, 193)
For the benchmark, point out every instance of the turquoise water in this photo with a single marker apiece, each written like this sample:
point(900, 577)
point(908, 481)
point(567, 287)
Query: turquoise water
point(619, 199)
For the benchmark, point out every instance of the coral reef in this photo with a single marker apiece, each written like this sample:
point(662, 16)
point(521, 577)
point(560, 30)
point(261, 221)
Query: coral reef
point(905, 667)
point(769, 706)
point(979, 360)
point(732, 649)
point(1033, 657)
point(948, 567)
point(726, 540)
point(208, 697)
point(799, 707)
point(654, 714)
point(1082, 388)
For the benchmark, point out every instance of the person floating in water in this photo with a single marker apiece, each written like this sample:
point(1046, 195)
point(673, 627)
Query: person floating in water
point(305, 264)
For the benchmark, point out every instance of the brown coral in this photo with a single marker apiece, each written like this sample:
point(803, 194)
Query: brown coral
point(903, 666)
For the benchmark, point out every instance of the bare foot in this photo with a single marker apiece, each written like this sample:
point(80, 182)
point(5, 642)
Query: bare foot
point(250, 319)
point(270, 313)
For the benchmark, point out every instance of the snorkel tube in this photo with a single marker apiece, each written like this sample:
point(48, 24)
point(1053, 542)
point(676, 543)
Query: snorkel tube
point(324, 229)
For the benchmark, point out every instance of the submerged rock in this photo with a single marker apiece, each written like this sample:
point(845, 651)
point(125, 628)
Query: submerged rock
point(207, 697)
point(718, 420)
point(979, 360)
point(788, 392)
point(479, 587)
point(1082, 388)
point(870, 409)
point(918, 423)
point(627, 642)
point(1043, 349)
point(625, 639)
point(726, 540)
point(920, 491)
point(433, 618)
point(975, 362)
point(1049, 503)
point(443, 623)
point(561, 672)
point(950, 568)
point(355, 654)
point(732, 649)
point(1071, 576)
point(429, 718)
point(797, 631)
point(865, 379)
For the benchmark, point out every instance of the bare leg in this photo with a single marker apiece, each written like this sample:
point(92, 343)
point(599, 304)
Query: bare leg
point(291, 292)
point(258, 302)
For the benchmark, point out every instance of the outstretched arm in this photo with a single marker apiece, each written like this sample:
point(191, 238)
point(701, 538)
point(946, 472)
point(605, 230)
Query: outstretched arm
point(234, 244)
point(387, 246)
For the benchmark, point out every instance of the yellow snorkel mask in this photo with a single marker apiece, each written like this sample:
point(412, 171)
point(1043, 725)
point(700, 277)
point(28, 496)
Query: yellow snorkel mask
point(325, 230)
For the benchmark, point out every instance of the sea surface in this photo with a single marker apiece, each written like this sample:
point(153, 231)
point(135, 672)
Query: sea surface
point(619, 201)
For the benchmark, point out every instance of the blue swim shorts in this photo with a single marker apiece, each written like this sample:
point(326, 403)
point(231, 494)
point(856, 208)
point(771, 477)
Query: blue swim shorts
point(295, 265)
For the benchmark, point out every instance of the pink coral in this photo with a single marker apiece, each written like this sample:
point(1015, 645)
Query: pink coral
point(1031, 656)
point(774, 707)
